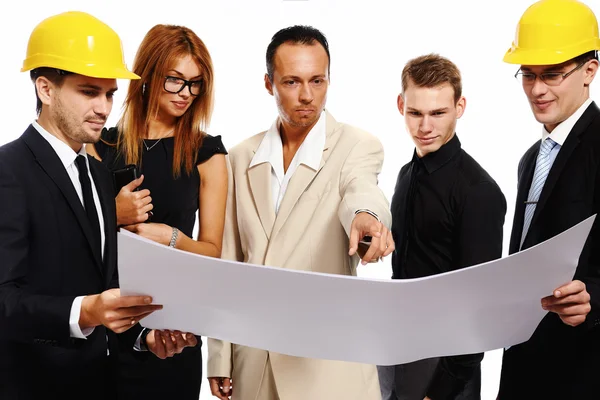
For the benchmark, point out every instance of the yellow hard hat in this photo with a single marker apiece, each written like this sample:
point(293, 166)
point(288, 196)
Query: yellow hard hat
point(552, 32)
point(77, 42)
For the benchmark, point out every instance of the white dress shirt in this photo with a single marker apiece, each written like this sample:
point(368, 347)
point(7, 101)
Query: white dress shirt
point(270, 151)
point(560, 133)
point(67, 157)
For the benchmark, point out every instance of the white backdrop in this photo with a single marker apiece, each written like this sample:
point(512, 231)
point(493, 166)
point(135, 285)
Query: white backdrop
point(370, 41)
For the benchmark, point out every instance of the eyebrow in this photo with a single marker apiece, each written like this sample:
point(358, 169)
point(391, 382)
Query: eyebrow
point(298, 78)
point(554, 68)
point(183, 76)
point(97, 88)
point(443, 109)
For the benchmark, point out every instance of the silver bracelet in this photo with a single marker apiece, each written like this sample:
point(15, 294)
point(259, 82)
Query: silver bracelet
point(174, 237)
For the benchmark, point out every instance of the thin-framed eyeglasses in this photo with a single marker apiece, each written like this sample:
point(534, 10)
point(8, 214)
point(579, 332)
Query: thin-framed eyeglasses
point(174, 84)
point(549, 78)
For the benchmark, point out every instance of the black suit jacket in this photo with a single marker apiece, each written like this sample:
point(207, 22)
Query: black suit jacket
point(46, 260)
point(560, 361)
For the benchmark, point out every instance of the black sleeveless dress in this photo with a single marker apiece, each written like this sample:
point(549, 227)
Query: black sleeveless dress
point(142, 375)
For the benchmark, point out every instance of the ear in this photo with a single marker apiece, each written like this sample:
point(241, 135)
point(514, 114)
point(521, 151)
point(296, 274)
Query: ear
point(590, 72)
point(401, 104)
point(268, 84)
point(45, 90)
point(461, 104)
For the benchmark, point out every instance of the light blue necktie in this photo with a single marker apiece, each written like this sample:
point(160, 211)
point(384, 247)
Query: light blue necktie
point(542, 167)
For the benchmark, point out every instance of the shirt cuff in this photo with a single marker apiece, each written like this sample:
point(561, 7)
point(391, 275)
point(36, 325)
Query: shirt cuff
point(371, 213)
point(137, 346)
point(75, 329)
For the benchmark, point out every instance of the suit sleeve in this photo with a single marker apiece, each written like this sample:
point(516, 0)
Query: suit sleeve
point(24, 316)
point(358, 183)
point(220, 361)
point(480, 233)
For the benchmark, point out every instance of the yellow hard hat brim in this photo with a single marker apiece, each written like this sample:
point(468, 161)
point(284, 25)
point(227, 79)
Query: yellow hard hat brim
point(91, 70)
point(521, 56)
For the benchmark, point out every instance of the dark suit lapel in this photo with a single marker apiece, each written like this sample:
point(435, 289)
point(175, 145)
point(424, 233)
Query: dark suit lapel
point(563, 156)
point(49, 161)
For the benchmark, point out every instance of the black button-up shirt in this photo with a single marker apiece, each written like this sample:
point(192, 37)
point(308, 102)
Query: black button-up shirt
point(447, 213)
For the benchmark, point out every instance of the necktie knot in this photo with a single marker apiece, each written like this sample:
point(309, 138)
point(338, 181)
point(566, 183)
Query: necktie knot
point(547, 146)
point(81, 164)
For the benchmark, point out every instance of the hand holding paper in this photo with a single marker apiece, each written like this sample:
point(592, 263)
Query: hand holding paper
point(571, 302)
point(166, 344)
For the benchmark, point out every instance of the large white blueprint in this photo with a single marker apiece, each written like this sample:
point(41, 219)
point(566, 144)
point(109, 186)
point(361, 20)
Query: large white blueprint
point(384, 322)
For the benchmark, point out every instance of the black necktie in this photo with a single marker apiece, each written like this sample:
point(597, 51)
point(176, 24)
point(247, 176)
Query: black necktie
point(88, 200)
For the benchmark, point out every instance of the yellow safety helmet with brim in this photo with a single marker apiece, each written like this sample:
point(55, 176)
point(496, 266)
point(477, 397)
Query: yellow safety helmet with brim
point(77, 42)
point(554, 31)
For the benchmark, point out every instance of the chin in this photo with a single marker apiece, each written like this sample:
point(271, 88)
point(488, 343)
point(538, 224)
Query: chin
point(87, 131)
point(176, 113)
point(304, 122)
point(92, 138)
point(545, 119)
point(432, 148)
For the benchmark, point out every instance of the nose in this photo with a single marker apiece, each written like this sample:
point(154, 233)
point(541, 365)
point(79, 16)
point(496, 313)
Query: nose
point(306, 94)
point(103, 106)
point(539, 88)
point(185, 92)
point(426, 126)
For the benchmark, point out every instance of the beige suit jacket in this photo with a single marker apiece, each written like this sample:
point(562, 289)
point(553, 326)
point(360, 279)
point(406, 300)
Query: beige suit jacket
point(310, 232)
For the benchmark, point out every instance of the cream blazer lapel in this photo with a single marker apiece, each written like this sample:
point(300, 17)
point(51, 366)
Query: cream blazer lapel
point(302, 179)
point(259, 179)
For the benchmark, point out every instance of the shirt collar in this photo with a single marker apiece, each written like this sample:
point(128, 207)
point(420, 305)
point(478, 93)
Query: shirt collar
point(64, 151)
point(562, 130)
point(436, 160)
point(310, 152)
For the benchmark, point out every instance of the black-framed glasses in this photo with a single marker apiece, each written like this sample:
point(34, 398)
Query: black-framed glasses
point(174, 84)
point(549, 78)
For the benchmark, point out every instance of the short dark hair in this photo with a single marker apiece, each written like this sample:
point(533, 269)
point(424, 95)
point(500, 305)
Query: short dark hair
point(585, 57)
point(54, 75)
point(430, 71)
point(297, 34)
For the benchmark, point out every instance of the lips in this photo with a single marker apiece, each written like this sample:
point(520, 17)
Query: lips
point(426, 140)
point(180, 104)
point(542, 104)
point(305, 110)
point(98, 124)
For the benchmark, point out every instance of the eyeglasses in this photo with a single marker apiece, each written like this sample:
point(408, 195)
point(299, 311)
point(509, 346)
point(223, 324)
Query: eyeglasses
point(549, 78)
point(175, 85)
